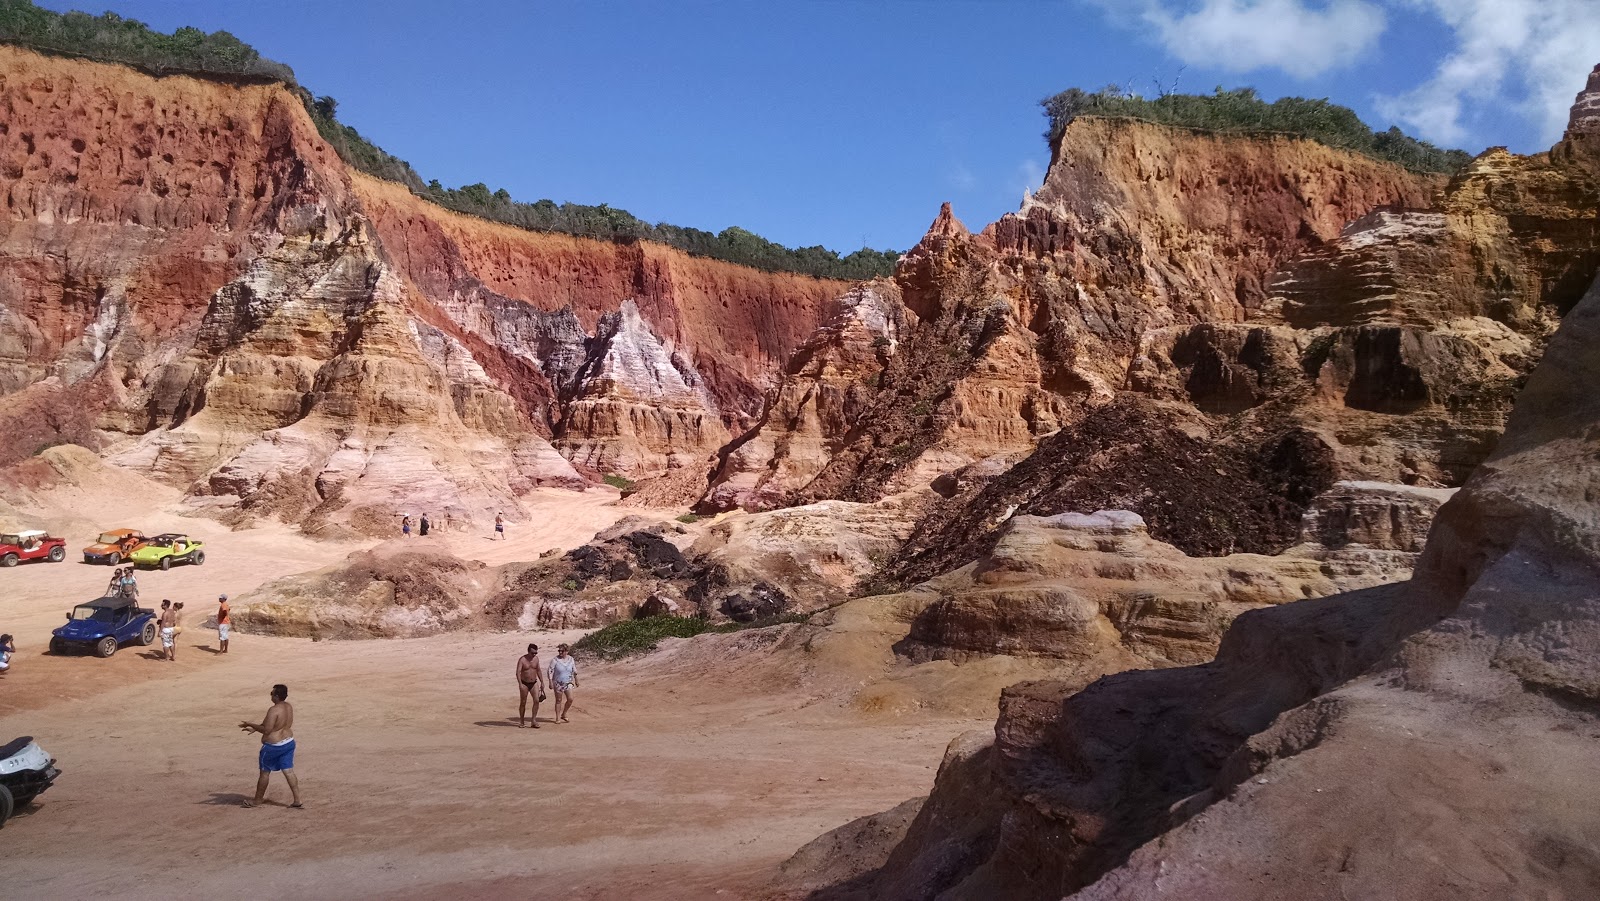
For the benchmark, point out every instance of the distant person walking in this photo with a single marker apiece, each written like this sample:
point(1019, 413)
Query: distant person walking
point(563, 679)
point(224, 623)
point(405, 525)
point(277, 746)
point(530, 683)
point(424, 526)
point(169, 629)
point(8, 647)
point(500, 526)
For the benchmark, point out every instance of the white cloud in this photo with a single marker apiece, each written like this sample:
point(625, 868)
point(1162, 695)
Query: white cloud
point(1029, 176)
point(1531, 55)
point(1301, 38)
point(959, 177)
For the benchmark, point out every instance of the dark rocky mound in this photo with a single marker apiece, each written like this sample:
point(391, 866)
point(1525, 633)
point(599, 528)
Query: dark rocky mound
point(1244, 494)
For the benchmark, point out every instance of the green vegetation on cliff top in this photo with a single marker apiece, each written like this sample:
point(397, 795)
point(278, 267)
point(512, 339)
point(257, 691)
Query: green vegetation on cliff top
point(190, 51)
point(1242, 111)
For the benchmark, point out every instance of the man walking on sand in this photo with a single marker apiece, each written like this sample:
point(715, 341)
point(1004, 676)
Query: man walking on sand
point(224, 623)
point(277, 746)
point(500, 526)
point(530, 681)
point(563, 679)
point(169, 630)
point(424, 525)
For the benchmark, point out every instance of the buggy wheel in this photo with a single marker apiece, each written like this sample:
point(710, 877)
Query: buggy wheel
point(8, 804)
point(58, 554)
point(166, 563)
point(57, 646)
point(147, 637)
point(114, 559)
point(8, 560)
point(105, 647)
point(199, 558)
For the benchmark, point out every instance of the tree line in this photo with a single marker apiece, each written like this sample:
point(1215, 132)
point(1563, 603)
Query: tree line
point(190, 51)
point(1242, 110)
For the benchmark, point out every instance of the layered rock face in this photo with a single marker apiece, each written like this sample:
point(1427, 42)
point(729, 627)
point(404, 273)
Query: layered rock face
point(1320, 753)
point(1208, 331)
point(192, 281)
point(1097, 590)
point(827, 384)
point(1139, 230)
point(732, 326)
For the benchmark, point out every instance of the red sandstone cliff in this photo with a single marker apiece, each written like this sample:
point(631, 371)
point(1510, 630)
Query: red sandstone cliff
point(192, 282)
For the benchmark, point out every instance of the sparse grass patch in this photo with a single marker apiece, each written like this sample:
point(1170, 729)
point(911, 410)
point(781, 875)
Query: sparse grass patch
point(640, 636)
point(689, 518)
point(618, 482)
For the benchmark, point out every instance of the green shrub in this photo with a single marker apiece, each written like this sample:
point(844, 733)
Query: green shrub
point(689, 518)
point(190, 51)
point(619, 483)
point(112, 38)
point(733, 245)
point(1243, 111)
point(570, 585)
point(640, 636)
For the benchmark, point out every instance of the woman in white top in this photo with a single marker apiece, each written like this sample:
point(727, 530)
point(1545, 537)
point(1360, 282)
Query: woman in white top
point(563, 678)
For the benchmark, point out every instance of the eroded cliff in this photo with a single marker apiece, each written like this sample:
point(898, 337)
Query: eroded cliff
point(192, 282)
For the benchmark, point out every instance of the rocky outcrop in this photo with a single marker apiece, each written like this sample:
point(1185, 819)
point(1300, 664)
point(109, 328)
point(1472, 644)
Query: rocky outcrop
point(826, 385)
point(740, 568)
point(192, 281)
point(641, 407)
point(1098, 588)
point(396, 590)
point(1465, 696)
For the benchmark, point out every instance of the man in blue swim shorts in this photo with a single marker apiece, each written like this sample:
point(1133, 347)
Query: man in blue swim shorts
point(277, 746)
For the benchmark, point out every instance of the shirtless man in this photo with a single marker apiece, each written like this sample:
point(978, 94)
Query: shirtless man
point(169, 630)
point(530, 682)
point(563, 678)
point(277, 746)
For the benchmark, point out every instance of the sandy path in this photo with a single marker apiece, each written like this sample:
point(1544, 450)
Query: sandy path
point(417, 783)
point(559, 519)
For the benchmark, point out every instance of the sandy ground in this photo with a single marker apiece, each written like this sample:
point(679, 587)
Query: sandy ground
point(417, 782)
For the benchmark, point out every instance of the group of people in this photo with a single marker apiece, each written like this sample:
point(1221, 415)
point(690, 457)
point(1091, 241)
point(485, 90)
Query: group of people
point(123, 583)
point(170, 622)
point(424, 525)
point(563, 678)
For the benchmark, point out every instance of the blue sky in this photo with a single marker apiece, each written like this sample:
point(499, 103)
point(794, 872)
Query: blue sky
point(841, 123)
